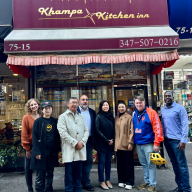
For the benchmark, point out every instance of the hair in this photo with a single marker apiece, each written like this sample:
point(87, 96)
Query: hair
point(27, 106)
point(71, 98)
point(140, 98)
point(101, 105)
point(121, 102)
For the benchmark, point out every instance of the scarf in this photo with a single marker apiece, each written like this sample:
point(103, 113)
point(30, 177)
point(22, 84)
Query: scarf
point(109, 116)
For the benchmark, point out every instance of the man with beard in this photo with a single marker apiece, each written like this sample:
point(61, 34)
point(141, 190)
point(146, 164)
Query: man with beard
point(89, 116)
point(175, 129)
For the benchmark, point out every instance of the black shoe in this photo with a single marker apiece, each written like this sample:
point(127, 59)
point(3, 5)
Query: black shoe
point(30, 190)
point(89, 188)
point(176, 190)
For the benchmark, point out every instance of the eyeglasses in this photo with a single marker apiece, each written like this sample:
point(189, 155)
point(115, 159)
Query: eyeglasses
point(74, 103)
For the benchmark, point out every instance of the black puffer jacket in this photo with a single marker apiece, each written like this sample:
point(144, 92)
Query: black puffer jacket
point(104, 131)
point(39, 144)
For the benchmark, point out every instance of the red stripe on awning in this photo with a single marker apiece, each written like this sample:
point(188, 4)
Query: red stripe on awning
point(79, 59)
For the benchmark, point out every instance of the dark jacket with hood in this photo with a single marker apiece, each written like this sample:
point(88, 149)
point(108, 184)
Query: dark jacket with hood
point(39, 144)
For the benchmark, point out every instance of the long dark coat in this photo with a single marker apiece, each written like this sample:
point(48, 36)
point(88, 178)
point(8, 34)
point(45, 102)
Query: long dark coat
point(39, 144)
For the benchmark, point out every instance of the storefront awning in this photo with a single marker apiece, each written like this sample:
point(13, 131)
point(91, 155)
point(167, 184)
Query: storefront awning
point(6, 16)
point(162, 59)
point(94, 39)
point(79, 59)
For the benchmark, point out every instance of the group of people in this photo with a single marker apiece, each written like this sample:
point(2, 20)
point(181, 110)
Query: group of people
point(81, 130)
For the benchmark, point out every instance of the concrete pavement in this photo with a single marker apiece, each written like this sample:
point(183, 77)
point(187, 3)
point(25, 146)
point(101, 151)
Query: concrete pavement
point(15, 182)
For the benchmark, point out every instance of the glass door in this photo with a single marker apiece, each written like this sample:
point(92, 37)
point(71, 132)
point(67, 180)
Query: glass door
point(127, 94)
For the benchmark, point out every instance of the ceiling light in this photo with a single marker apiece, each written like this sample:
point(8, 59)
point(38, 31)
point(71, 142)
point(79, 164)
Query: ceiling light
point(14, 74)
point(9, 95)
point(10, 85)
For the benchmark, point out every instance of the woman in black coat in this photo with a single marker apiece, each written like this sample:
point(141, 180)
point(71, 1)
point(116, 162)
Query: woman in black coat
point(45, 149)
point(104, 139)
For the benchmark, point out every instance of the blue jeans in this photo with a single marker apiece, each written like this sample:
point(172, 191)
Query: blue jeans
point(179, 163)
point(104, 162)
point(87, 165)
point(73, 172)
point(149, 168)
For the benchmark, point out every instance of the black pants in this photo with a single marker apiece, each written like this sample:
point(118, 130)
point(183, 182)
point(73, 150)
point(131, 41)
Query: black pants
point(87, 165)
point(28, 173)
point(44, 178)
point(125, 167)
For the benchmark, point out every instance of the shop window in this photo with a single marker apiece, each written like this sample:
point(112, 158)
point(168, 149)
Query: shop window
point(179, 82)
point(125, 73)
point(57, 83)
point(12, 102)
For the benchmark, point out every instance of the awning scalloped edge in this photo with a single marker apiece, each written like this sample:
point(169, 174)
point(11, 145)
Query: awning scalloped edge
point(35, 60)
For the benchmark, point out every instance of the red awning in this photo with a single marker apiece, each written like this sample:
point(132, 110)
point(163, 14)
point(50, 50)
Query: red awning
point(94, 39)
point(79, 59)
point(167, 57)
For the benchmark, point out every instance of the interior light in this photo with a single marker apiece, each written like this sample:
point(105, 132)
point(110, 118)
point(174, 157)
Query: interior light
point(14, 74)
point(10, 85)
point(9, 95)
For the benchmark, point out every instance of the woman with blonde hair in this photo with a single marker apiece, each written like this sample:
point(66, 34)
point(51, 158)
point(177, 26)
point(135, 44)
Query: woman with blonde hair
point(32, 107)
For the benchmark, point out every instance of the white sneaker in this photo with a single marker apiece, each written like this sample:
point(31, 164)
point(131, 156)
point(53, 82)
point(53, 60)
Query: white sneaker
point(121, 185)
point(129, 187)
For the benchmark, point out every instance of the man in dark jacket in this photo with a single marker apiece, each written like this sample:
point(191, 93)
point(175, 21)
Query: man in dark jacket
point(45, 148)
point(89, 116)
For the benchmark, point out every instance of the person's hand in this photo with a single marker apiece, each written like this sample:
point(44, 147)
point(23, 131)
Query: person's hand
point(181, 146)
point(79, 146)
point(156, 148)
point(38, 157)
point(111, 142)
point(130, 147)
point(28, 154)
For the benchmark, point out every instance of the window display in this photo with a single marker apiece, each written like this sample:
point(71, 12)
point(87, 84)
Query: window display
point(12, 102)
point(179, 82)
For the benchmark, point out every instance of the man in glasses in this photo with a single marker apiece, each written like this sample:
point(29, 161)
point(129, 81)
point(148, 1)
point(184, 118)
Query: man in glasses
point(74, 134)
point(89, 116)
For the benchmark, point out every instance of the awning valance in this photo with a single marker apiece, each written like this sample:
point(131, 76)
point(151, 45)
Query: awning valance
point(79, 59)
point(160, 60)
point(6, 16)
point(92, 39)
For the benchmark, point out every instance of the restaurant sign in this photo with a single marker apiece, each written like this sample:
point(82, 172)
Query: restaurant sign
point(38, 14)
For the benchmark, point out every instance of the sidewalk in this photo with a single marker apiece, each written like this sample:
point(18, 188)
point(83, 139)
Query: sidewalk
point(15, 182)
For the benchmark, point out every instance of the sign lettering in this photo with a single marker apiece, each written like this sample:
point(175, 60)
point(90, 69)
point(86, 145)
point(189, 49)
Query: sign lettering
point(88, 13)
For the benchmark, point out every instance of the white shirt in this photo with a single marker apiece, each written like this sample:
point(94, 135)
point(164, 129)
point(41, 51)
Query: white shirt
point(87, 118)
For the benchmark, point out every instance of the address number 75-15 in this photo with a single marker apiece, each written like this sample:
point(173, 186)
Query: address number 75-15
point(17, 47)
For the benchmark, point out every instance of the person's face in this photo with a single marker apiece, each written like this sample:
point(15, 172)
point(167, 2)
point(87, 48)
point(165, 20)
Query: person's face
point(83, 102)
point(140, 105)
point(105, 107)
point(72, 105)
point(168, 98)
point(121, 108)
point(34, 106)
point(47, 111)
